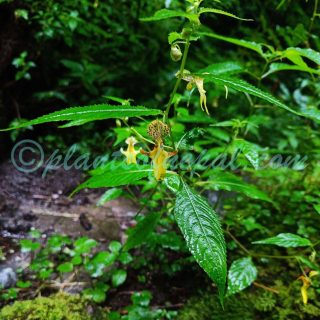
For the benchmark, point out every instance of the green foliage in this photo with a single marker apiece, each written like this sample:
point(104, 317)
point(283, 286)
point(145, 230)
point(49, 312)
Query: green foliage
point(60, 306)
point(241, 275)
point(202, 230)
point(286, 240)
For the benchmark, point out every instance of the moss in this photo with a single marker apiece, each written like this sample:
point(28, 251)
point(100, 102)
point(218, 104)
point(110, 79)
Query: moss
point(208, 307)
point(58, 307)
point(255, 304)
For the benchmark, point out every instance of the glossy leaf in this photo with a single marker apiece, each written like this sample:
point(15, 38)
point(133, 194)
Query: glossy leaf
point(65, 267)
point(80, 115)
point(250, 151)
point(202, 231)
point(241, 275)
point(286, 240)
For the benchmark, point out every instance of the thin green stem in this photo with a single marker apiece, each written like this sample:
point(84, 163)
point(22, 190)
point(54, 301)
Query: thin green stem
point(314, 14)
point(174, 91)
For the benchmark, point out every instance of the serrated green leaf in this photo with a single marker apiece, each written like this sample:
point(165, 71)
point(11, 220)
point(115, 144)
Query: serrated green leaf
point(217, 11)
point(139, 234)
point(257, 47)
point(286, 240)
point(227, 67)
point(116, 174)
point(164, 14)
point(221, 180)
point(243, 86)
point(90, 113)
point(186, 141)
point(276, 67)
point(202, 231)
point(241, 274)
point(307, 53)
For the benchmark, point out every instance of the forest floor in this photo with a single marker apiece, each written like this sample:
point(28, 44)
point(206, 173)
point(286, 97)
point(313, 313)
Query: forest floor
point(30, 201)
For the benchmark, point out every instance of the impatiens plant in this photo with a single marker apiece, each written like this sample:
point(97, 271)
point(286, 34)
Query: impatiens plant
point(197, 220)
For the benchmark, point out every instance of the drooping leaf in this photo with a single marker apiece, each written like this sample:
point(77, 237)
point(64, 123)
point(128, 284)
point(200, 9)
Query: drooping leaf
point(90, 113)
point(243, 86)
point(202, 231)
point(109, 195)
point(286, 240)
point(217, 11)
point(116, 174)
point(139, 234)
point(257, 47)
point(222, 180)
point(164, 14)
point(317, 207)
point(241, 274)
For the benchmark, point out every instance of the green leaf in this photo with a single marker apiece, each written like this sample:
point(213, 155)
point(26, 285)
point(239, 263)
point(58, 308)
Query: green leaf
point(317, 207)
point(243, 86)
point(139, 234)
point(118, 277)
point(249, 150)
point(84, 245)
point(120, 174)
point(217, 11)
point(221, 180)
point(202, 231)
point(99, 262)
point(174, 36)
point(115, 246)
point(286, 240)
point(168, 14)
point(276, 67)
point(28, 245)
point(257, 47)
point(109, 195)
point(307, 53)
point(24, 284)
point(65, 267)
point(91, 113)
point(241, 274)
point(97, 294)
point(227, 67)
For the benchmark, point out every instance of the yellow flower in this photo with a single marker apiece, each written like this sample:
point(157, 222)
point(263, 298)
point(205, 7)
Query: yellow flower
point(131, 153)
point(159, 160)
point(199, 82)
point(306, 283)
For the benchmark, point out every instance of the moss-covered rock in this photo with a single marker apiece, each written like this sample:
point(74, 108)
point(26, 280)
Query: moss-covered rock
point(255, 304)
point(58, 307)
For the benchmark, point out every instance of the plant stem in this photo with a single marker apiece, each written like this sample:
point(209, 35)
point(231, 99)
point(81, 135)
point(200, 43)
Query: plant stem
point(315, 9)
point(183, 63)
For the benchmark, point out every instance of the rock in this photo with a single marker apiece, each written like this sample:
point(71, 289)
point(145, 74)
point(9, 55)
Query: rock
point(8, 278)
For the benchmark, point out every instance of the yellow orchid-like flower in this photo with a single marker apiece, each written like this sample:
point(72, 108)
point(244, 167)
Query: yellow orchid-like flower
point(159, 160)
point(131, 153)
point(306, 283)
point(199, 83)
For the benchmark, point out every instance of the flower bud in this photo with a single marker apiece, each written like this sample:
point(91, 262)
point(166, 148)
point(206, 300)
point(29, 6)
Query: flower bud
point(175, 53)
